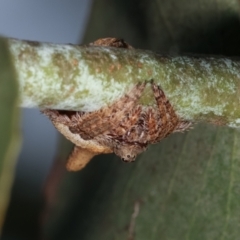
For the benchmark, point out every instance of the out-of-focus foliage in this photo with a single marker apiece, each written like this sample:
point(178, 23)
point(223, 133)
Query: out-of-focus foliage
point(9, 129)
point(187, 186)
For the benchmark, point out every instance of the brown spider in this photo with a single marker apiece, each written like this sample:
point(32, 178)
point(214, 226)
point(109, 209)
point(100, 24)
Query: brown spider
point(125, 128)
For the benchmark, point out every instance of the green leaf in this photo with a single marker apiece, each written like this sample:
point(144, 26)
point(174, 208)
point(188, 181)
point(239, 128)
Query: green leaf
point(185, 187)
point(9, 126)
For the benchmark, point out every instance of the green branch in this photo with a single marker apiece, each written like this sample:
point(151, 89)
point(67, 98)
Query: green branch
point(86, 78)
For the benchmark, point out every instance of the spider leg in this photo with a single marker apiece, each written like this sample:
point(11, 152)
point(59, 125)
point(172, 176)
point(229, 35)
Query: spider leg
point(183, 126)
point(111, 42)
point(167, 118)
point(127, 102)
point(152, 125)
point(56, 116)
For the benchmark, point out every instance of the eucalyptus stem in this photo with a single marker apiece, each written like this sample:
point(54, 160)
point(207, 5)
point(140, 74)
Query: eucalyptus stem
point(86, 78)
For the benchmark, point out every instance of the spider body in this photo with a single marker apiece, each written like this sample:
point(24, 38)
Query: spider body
point(126, 127)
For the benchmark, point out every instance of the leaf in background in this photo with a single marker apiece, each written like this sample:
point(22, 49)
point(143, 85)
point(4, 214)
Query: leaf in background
point(187, 186)
point(9, 126)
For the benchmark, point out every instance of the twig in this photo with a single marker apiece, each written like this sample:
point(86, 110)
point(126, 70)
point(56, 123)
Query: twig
point(86, 78)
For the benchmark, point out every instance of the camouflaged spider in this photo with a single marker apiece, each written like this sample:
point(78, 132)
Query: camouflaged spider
point(126, 127)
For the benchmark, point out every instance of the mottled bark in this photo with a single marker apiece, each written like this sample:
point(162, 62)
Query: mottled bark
point(86, 78)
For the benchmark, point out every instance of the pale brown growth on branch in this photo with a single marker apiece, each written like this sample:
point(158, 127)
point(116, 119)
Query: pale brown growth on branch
point(79, 158)
point(126, 127)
